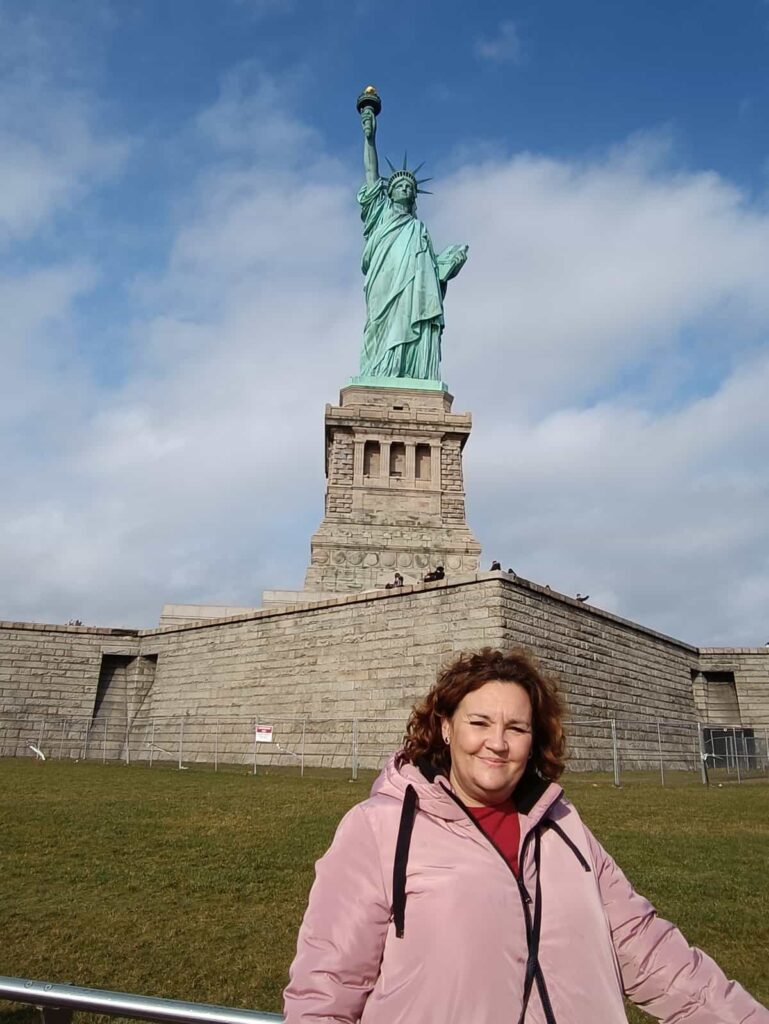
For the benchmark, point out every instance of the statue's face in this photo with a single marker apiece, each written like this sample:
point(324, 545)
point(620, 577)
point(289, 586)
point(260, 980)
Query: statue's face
point(403, 191)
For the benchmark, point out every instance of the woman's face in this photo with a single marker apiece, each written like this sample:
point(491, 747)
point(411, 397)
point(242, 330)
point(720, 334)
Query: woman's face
point(490, 740)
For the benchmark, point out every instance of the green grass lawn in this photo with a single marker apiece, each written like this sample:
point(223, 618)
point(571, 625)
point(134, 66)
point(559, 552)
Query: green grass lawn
point(192, 884)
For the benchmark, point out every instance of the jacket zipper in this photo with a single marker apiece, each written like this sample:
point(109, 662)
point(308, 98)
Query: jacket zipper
point(526, 904)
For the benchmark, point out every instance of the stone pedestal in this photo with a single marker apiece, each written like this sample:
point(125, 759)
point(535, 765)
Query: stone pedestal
point(395, 498)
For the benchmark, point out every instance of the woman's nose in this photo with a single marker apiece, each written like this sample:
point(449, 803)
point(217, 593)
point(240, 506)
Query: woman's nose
point(497, 740)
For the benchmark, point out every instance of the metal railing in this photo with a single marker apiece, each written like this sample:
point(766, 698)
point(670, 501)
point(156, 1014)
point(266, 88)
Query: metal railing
point(57, 1004)
point(607, 744)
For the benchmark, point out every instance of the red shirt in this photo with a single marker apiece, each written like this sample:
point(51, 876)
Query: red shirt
point(502, 827)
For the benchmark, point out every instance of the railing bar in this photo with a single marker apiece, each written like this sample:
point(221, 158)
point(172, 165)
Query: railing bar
point(124, 1004)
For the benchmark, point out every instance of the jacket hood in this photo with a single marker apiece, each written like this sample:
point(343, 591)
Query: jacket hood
point(433, 799)
point(533, 795)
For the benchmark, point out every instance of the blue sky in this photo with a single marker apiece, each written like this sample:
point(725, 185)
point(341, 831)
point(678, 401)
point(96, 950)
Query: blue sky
point(555, 77)
point(179, 249)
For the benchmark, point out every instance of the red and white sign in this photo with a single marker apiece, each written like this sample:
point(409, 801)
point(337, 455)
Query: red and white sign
point(263, 734)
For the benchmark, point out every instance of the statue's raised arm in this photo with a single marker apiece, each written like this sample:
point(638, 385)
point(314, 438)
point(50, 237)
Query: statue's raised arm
point(370, 158)
point(405, 280)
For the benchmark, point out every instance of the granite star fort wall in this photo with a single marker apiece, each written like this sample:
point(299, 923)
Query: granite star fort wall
point(366, 656)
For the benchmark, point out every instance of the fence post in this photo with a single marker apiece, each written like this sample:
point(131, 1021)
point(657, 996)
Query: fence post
point(701, 754)
point(256, 723)
point(355, 749)
point(61, 738)
point(301, 755)
point(766, 749)
point(40, 733)
point(736, 755)
point(152, 741)
point(181, 742)
point(659, 748)
point(216, 746)
point(127, 741)
point(104, 743)
point(615, 751)
point(84, 755)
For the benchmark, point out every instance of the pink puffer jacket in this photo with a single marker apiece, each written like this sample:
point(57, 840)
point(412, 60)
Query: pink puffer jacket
point(477, 946)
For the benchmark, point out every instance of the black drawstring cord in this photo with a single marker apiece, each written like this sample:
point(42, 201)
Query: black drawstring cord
point(533, 931)
point(569, 842)
point(400, 864)
point(534, 926)
point(533, 921)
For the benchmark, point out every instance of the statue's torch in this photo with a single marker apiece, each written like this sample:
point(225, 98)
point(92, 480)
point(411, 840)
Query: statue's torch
point(369, 98)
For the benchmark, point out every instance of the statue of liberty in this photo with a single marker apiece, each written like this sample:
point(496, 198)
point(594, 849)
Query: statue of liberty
point(405, 280)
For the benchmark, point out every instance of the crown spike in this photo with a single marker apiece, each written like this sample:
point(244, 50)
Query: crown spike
point(404, 172)
point(424, 191)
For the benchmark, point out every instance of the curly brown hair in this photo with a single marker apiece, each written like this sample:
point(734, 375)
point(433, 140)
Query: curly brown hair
point(470, 671)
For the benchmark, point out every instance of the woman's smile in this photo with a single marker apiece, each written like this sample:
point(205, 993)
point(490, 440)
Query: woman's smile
point(490, 741)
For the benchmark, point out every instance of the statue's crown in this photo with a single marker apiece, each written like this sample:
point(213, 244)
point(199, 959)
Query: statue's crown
point(404, 172)
point(397, 175)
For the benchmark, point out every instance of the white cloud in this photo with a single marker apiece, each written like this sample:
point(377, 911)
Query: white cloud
point(250, 116)
point(660, 517)
point(52, 150)
point(45, 171)
point(504, 47)
point(211, 435)
point(609, 333)
point(37, 350)
point(580, 272)
point(52, 155)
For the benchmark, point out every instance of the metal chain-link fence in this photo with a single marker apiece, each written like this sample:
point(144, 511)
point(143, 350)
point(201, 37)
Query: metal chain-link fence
point(616, 746)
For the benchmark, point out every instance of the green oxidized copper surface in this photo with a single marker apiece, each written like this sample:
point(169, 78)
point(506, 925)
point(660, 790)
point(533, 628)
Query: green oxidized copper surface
point(397, 382)
point(405, 278)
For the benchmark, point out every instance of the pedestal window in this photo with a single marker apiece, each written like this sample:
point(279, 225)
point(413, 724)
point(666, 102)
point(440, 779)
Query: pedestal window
point(371, 458)
point(397, 459)
point(423, 462)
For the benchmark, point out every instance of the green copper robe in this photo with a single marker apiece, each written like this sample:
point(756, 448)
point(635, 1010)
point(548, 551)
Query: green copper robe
point(405, 285)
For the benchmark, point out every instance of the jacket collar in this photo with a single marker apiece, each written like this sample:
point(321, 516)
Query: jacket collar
point(530, 791)
point(533, 795)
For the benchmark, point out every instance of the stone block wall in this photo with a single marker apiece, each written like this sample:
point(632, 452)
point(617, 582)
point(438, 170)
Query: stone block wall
point(344, 672)
point(716, 700)
point(51, 672)
point(606, 665)
point(620, 680)
point(339, 470)
point(750, 666)
point(453, 494)
point(350, 655)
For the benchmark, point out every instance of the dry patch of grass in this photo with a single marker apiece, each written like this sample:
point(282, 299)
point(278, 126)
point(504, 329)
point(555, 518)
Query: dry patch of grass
point(192, 884)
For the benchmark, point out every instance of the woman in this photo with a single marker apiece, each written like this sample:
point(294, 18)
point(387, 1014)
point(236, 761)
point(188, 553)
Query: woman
point(466, 890)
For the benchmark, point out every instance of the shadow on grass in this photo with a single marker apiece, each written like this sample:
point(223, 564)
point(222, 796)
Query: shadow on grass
point(20, 1015)
point(31, 1015)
